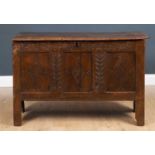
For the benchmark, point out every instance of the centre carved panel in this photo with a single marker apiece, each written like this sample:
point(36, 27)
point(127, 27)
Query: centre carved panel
point(77, 71)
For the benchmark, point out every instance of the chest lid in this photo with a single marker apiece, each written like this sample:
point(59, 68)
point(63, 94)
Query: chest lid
point(70, 36)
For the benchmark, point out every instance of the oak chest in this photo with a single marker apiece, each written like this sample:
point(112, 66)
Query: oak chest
point(78, 66)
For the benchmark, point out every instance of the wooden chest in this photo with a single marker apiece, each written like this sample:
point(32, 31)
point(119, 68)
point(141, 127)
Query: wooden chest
point(79, 66)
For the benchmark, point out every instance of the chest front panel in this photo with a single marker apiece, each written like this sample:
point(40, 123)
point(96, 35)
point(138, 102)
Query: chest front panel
point(78, 67)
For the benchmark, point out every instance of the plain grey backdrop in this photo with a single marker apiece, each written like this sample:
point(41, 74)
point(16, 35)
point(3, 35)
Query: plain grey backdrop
point(8, 31)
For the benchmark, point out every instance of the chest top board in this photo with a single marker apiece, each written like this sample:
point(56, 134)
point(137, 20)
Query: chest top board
point(79, 66)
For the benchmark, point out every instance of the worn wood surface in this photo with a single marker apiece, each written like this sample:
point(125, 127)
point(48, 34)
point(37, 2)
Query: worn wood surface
point(111, 69)
point(80, 36)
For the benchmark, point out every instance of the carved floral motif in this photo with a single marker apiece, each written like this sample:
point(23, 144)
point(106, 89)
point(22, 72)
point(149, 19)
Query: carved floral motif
point(56, 70)
point(99, 70)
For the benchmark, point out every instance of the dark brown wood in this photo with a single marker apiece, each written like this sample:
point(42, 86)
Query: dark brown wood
point(78, 96)
point(134, 106)
point(23, 106)
point(139, 101)
point(79, 66)
point(16, 85)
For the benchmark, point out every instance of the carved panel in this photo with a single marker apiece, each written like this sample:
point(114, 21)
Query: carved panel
point(86, 72)
point(120, 71)
point(99, 70)
point(77, 71)
point(30, 46)
point(53, 61)
point(111, 45)
point(72, 72)
point(56, 67)
point(47, 46)
point(35, 71)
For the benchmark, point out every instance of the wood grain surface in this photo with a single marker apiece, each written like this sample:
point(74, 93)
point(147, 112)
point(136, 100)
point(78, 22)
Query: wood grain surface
point(80, 36)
